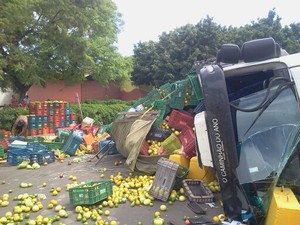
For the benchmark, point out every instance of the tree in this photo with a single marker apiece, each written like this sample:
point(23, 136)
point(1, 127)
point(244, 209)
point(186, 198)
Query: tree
point(44, 40)
point(173, 56)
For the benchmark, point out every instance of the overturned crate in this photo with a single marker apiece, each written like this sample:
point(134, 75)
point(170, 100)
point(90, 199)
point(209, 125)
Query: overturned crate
point(197, 191)
point(164, 179)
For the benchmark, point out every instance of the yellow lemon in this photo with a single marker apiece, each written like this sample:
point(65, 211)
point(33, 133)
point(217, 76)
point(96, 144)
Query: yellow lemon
point(106, 212)
point(216, 219)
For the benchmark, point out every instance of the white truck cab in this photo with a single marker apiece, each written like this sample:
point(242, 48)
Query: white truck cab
point(251, 116)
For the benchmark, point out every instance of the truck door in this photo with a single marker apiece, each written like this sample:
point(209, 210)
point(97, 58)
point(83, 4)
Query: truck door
point(221, 136)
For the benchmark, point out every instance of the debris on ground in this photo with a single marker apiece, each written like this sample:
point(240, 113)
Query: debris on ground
point(160, 125)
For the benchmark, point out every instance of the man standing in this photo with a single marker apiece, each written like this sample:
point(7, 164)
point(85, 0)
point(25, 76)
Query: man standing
point(25, 102)
point(20, 126)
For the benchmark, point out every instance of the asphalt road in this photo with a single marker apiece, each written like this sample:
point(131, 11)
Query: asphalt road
point(57, 175)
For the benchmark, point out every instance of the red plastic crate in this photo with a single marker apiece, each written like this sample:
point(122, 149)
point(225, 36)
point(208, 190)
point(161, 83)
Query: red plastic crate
point(144, 148)
point(187, 138)
point(181, 119)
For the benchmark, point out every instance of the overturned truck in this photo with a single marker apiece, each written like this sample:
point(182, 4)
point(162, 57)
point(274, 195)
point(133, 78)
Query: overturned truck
point(251, 124)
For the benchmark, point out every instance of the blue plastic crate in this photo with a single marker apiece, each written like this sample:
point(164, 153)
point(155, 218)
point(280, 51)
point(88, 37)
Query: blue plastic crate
point(68, 111)
point(72, 144)
point(104, 145)
point(37, 147)
point(42, 157)
point(17, 155)
point(199, 108)
point(16, 138)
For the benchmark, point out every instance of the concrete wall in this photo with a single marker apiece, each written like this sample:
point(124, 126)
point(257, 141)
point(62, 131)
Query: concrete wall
point(55, 91)
point(86, 90)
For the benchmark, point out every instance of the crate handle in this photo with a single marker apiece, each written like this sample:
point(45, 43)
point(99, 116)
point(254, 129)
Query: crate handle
point(164, 182)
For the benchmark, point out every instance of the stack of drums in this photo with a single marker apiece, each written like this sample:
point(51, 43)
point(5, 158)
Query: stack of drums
point(46, 116)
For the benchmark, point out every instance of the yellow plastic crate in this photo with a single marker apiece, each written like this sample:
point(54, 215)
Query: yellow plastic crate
point(171, 144)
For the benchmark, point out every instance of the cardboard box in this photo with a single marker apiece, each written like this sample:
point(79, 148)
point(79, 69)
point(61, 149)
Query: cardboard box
point(87, 121)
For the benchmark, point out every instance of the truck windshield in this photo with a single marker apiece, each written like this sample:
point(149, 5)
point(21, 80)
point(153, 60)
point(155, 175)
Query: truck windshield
point(263, 134)
point(267, 125)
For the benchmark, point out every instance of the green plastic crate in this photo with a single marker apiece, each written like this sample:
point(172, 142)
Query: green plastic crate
point(191, 93)
point(194, 82)
point(165, 90)
point(178, 96)
point(161, 106)
point(53, 145)
point(31, 139)
point(90, 192)
point(181, 174)
point(104, 129)
point(150, 98)
point(2, 154)
point(141, 101)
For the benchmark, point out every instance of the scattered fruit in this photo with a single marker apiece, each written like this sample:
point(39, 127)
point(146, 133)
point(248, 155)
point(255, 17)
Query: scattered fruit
point(221, 217)
point(187, 222)
point(214, 186)
point(182, 198)
point(158, 221)
point(106, 212)
point(216, 219)
point(163, 208)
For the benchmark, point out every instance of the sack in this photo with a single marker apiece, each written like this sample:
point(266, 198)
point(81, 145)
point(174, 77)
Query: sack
point(129, 134)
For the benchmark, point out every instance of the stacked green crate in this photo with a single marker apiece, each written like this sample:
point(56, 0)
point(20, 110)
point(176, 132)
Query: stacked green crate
point(153, 96)
point(194, 93)
point(161, 106)
point(165, 90)
point(177, 98)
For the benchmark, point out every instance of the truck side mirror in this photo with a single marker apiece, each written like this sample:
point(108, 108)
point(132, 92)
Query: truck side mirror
point(229, 53)
point(260, 49)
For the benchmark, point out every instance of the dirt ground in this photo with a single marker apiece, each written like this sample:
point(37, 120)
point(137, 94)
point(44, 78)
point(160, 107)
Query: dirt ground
point(57, 175)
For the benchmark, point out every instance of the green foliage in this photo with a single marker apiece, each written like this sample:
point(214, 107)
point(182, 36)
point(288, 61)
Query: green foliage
point(104, 113)
point(171, 58)
point(44, 40)
point(8, 116)
point(101, 111)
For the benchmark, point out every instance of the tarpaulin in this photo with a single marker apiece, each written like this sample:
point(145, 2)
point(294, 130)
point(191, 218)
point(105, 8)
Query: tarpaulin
point(129, 133)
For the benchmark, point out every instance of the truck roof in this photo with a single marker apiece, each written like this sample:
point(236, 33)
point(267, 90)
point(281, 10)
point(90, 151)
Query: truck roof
point(269, 64)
